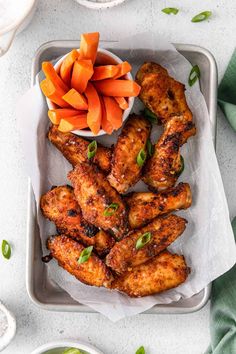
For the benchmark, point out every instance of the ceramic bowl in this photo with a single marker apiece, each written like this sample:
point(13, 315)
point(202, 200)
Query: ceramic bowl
point(96, 5)
point(10, 332)
point(8, 33)
point(104, 57)
point(87, 348)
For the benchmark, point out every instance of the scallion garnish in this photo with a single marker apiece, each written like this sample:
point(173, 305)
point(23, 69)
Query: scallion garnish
point(202, 16)
point(143, 240)
point(194, 75)
point(85, 254)
point(150, 148)
point(72, 351)
point(6, 249)
point(92, 149)
point(141, 350)
point(141, 157)
point(170, 10)
point(182, 165)
point(150, 116)
point(111, 209)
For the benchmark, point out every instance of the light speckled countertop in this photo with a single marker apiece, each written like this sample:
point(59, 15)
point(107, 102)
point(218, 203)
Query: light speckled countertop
point(64, 19)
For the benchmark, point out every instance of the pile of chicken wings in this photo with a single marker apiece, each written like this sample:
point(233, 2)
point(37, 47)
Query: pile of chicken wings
point(127, 233)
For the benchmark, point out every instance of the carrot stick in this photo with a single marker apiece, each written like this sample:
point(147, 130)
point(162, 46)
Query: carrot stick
point(66, 66)
point(75, 99)
point(124, 68)
point(94, 116)
point(52, 75)
point(55, 95)
point(113, 112)
point(119, 88)
point(104, 72)
point(55, 115)
point(89, 45)
point(73, 123)
point(82, 73)
point(122, 102)
point(106, 125)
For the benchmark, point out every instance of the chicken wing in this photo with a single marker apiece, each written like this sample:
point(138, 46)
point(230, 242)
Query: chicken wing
point(101, 205)
point(163, 168)
point(126, 253)
point(125, 170)
point(67, 252)
point(163, 272)
point(160, 93)
point(144, 207)
point(60, 206)
point(75, 149)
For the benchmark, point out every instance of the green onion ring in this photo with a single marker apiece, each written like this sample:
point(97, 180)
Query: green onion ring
point(85, 254)
point(170, 10)
point(6, 249)
point(194, 75)
point(92, 149)
point(143, 240)
point(141, 157)
point(202, 16)
point(111, 209)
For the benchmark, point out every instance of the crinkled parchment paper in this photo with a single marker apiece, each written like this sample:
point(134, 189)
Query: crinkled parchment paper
point(207, 244)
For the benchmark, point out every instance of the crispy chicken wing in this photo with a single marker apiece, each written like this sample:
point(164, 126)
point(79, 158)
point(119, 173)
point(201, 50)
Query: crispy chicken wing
point(163, 231)
point(160, 93)
point(75, 148)
point(101, 205)
point(144, 206)
point(125, 170)
point(60, 206)
point(162, 169)
point(67, 252)
point(161, 273)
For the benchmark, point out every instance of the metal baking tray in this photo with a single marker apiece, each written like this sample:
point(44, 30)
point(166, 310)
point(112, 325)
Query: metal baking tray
point(44, 292)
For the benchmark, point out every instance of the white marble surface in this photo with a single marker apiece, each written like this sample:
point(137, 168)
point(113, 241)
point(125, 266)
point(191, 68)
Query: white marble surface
point(64, 19)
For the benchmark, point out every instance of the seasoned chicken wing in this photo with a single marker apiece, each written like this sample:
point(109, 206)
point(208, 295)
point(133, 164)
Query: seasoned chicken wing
point(60, 206)
point(101, 205)
point(163, 272)
point(75, 149)
point(163, 168)
point(67, 252)
point(145, 206)
point(126, 170)
point(132, 250)
point(160, 93)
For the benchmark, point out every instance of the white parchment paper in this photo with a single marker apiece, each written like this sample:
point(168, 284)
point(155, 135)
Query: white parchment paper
point(208, 242)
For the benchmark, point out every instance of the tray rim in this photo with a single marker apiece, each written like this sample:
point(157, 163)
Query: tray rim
point(30, 242)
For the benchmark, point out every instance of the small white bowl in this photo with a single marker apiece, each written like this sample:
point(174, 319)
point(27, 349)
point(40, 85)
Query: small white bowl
point(7, 337)
point(67, 344)
point(8, 33)
point(104, 57)
point(99, 5)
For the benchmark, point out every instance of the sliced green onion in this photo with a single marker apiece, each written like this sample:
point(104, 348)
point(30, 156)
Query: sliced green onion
point(72, 351)
point(85, 254)
point(150, 148)
point(111, 209)
point(202, 16)
point(141, 158)
point(92, 149)
point(6, 249)
point(143, 240)
point(150, 116)
point(194, 75)
point(170, 10)
point(141, 350)
point(182, 165)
